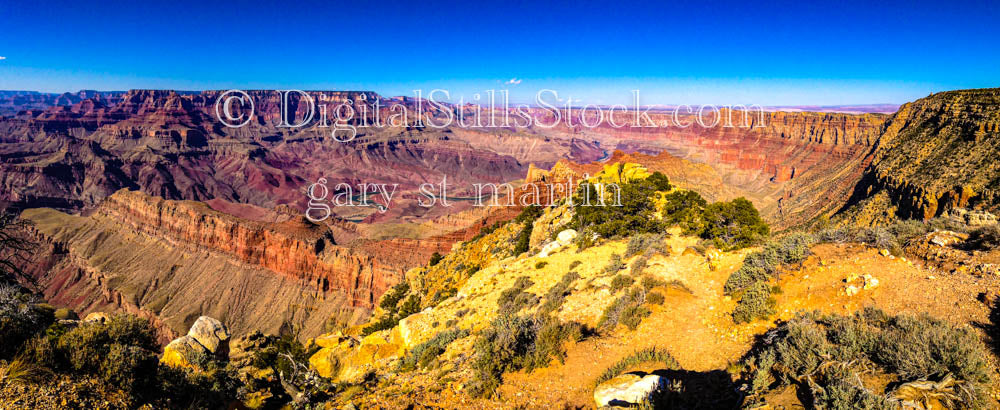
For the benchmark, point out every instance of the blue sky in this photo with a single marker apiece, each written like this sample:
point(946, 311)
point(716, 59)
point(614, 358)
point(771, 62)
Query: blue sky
point(596, 52)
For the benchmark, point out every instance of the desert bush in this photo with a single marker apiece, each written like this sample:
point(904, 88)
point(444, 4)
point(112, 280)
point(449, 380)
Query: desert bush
point(634, 216)
point(422, 355)
point(649, 355)
point(515, 299)
point(633, 316)
point(641, 243)
point(831, 351)
point(394, 295)
point(540, 264)
point(435, 258)
point(621, 282)
point(527, 218)
point(394, 310)
point(639, 265)
point(685, 209)
point(734, 225)
point(613, 313)
point(574, 265)
point(985, 238)
point(614, 265)
point(755, 303)
point(20, 319)
point(655, 298)
point(762, 265)
point(513, 343)
point(557, 293)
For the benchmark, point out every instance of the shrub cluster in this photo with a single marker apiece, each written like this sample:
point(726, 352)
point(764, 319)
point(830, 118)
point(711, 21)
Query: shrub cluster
point(824, 356)
point(626, 309)
point(750, 281)
point(527, 217)
point(635, 215)
point(515, 299)
point(648, 355)
point(395, 308)
point(557, 293)
point(985, 238)
point(20, 318)
point(424, 354)
point(513, 343)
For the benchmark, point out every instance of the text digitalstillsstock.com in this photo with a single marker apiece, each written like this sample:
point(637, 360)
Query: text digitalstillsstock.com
point(236, 108)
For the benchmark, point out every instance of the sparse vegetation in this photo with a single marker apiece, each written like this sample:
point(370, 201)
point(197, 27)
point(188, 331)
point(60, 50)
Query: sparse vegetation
point(755, 303)
point(985, 238)
point(621, 282)
point(527, 217)
point(824, 355)
point(393, 309)
point(614, 313)
point(557, 293)
point(435, 258)
point(424, 354)
point(540, 264)
point(649, 355)
point(513, 343)
point(515, 299)
point(614, 265)
point(655, 298)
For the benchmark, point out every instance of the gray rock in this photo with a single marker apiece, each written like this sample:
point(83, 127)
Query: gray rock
point(628, 389)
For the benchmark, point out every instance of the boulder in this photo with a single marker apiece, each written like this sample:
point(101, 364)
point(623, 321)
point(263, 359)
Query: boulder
point(566, 237)
point(182, 351)
point(99, 317)
point(211, 334)
point(629, 389)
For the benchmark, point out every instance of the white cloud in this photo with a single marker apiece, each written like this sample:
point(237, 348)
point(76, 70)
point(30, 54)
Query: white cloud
point(513, 81)
point(3, 58)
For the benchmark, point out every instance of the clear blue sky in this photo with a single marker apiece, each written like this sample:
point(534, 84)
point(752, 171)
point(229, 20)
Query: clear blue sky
point(674, 52)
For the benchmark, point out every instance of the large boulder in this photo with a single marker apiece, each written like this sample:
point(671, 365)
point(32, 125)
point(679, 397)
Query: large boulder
point(182, 352)
point(629, 389)
point(212, 334)
point(207, 337)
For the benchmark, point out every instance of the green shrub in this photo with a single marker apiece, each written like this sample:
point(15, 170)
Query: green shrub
point(755, 303)
point(513, 343)
point(540, 264)
point(613, 313)
point(621, 282)
point(394, 311)
point(685, 209)
point(827, 354)
point(394, 295)
point(635, 215)
point(574, 265)
point(734, 225)
point(985, 238)
point(633, 315)
point(422, 355)
point(527, 217)
point(557, 293)
point(515, 299)
point(435, 258)
point(20, 319)
point(655, 298)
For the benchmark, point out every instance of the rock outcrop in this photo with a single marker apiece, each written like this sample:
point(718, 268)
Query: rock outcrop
point(207, 338)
